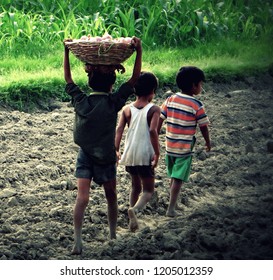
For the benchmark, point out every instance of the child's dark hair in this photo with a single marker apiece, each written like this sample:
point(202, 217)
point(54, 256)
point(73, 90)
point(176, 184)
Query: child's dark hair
point(146, 83)
point(101, 81)
point(102, 77)
point(187, 76)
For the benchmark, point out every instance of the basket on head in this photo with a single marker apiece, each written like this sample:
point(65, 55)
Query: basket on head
point(100, 53)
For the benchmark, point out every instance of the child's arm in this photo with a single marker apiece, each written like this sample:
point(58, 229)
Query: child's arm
point(154, 135)
point(79, 99)
point(67, 71)
point(205, 132)
point(136, 42)
point(127, 89)
point(119, 132)
point(160, 122)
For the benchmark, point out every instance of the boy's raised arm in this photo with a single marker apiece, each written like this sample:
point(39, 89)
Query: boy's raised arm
point(136, 42)
point(67, 71)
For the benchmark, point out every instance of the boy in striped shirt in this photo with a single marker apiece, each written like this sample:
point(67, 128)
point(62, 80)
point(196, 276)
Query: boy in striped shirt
point(183, 113)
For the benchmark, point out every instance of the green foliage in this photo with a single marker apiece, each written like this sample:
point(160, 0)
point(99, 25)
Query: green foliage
point(225, 38)
point(30, 25)
point(34, 81)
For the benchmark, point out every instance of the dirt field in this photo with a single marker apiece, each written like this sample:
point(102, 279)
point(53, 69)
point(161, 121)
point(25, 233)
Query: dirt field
point(227, 205)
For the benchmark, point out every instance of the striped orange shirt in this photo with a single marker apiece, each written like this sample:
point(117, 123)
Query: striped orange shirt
point(182, 113)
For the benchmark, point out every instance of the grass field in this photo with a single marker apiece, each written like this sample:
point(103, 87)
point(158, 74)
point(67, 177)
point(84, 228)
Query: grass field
point(226, 39)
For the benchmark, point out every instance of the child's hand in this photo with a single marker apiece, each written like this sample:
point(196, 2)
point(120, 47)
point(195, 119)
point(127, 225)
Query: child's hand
point(136, 43)
point(155, 161)
point(66, 40)
point(118, 157)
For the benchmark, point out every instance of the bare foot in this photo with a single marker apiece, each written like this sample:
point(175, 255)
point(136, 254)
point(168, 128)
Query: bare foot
point(172, 213)
point(178, 207)
point(133, 223)
point(77, 249)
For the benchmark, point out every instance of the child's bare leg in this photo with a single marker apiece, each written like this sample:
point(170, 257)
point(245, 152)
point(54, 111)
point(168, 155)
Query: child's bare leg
point(79, 209)
point(148, 189)
point(133, 198)
point(143, 200)
point(112, 206)
point(174, 193)
point(133, 222)
point(135, 190)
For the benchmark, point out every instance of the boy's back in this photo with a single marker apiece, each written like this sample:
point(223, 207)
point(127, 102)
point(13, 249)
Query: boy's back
point(183, 112)
point(95, 120)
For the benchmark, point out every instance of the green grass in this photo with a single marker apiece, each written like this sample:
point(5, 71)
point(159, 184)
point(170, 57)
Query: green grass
point(24, 82)
point(226, 39)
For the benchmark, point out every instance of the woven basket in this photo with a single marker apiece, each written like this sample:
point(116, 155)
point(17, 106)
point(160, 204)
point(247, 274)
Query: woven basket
point(100, 53)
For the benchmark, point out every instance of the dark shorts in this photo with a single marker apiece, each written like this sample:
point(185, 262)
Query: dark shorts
point(145, 171)
point(87, 168)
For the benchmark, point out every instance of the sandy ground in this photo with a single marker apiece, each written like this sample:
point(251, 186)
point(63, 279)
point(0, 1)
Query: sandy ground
point(227, 205)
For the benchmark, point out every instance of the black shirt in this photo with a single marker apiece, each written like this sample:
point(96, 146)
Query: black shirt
point(95, 120)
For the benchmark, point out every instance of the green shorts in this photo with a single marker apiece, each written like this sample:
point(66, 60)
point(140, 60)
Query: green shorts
point(179, 167)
